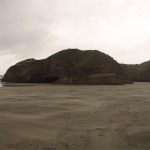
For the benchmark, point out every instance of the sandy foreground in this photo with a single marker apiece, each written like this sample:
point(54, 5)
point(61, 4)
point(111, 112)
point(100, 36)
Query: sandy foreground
point(59, 117)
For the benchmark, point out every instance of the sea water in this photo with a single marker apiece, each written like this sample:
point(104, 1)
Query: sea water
point(1, 76)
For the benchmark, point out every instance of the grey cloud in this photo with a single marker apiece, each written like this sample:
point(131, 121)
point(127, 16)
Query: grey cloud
point(22, 28)
point(40, 28)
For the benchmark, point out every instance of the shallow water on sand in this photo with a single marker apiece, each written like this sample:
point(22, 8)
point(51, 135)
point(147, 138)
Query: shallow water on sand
point(46, 116)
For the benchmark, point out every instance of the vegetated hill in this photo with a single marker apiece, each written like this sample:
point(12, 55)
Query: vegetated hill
point(131, 70)
point(71, 66)
point(139, 73)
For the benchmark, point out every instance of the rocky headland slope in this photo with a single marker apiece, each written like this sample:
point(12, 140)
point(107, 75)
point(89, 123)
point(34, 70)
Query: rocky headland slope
point(71, 66)
point(138, 72)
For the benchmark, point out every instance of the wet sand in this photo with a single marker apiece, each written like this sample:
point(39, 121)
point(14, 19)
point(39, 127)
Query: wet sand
point(59, 117)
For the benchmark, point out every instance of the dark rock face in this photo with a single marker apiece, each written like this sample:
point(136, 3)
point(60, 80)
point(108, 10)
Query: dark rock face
point(143, 76)
point(71, 66)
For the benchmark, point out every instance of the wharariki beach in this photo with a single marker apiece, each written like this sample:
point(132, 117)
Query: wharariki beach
point(54, 117)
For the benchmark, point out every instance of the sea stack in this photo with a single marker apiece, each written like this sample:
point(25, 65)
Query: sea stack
point(70, 66)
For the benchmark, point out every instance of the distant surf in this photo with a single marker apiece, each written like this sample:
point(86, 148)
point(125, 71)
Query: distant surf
point(1, 76)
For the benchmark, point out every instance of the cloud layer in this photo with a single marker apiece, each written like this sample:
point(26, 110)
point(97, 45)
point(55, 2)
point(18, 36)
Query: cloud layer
point(37, 29)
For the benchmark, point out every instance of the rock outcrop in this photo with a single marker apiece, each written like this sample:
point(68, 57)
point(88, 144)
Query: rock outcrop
point(71, 66)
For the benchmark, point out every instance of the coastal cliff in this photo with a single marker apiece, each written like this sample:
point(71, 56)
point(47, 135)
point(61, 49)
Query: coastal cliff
point(71, 66)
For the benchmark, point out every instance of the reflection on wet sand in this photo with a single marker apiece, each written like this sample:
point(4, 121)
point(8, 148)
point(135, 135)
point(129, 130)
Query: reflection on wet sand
point(2, 84)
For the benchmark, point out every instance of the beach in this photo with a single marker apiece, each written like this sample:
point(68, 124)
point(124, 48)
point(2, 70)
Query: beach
point(60, 117)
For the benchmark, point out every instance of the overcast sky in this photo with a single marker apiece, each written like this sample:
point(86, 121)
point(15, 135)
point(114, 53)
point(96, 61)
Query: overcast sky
point(40, 28)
